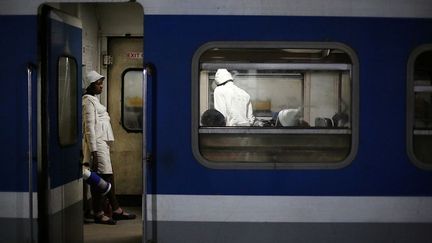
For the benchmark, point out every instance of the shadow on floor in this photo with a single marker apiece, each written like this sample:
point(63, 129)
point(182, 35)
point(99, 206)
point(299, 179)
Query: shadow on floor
point(125, 231)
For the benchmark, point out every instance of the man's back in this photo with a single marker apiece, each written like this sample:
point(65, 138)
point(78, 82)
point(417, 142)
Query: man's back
point(234, 103)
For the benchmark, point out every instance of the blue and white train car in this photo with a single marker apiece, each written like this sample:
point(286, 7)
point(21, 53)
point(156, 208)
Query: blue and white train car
point(355, 166)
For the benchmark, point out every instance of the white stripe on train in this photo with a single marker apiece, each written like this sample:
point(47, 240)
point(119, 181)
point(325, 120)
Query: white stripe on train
point(358, 209)
point(364, 8)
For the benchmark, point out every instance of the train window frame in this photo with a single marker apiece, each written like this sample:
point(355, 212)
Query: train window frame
point(411, 131)
point(61, 123)
point(195, 103)
point(128, 129)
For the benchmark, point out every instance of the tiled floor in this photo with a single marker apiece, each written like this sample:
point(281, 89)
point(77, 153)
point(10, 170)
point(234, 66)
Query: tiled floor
point(125, 231)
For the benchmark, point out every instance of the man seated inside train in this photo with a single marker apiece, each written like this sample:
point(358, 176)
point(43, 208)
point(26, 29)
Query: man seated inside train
point(213, 118)
point(290, 118)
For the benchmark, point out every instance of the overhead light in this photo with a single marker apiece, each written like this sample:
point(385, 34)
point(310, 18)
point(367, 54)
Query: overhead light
point(302, 50)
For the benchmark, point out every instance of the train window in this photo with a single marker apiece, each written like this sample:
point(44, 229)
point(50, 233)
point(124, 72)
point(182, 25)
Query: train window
point(419, 121)
point(67, 100)
point(275, 105)
point(132, 100)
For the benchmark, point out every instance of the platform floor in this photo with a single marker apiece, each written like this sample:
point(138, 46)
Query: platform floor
point(125, 231)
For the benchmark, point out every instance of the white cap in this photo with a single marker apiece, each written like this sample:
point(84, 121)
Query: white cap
point(222, 75)
point(288, 117)
point(92, 77)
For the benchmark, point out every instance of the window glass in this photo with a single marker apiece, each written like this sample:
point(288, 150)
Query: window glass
point(132, 100)
point(421, 105)
point(67, 100)
point(275, 107)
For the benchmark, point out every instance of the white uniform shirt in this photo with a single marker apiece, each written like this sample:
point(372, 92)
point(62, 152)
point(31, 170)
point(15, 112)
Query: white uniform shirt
point(234, 103)
point(97, 132)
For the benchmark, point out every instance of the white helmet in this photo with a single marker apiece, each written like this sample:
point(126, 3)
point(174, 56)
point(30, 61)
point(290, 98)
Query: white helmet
point(92, 77)
point(289, 117)
point(222, 75)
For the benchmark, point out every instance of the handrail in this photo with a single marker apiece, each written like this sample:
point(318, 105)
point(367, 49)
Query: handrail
point(146, 145)
point(149, 82)
point(272, 130)
point(30, 68)
point(144, 155)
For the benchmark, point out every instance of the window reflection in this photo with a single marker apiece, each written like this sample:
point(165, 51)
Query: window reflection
point(317, 98)
point(67, 100)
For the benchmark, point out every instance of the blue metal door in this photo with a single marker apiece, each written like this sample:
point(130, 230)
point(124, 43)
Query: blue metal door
point(60, 183)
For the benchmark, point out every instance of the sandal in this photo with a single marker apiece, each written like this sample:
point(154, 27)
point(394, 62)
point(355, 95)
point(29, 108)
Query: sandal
point(123, 216)
point(110, 221)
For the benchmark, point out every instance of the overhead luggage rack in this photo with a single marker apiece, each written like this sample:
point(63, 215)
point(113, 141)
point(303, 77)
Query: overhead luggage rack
point(278, 66)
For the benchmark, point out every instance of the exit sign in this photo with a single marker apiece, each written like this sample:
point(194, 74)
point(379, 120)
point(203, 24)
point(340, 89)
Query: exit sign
point(135, 55)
